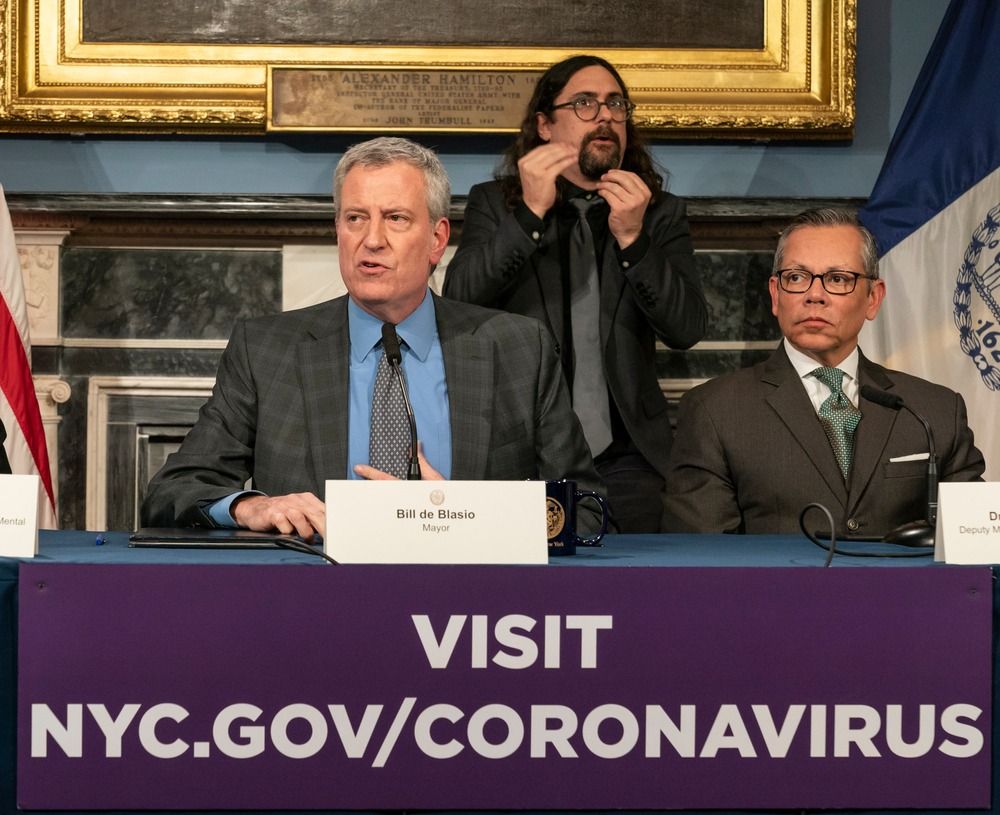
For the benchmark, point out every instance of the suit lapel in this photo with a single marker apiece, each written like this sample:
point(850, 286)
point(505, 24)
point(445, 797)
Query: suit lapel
point(323, 373)
point(873, 432)
point(791, 403)
point(468, 366)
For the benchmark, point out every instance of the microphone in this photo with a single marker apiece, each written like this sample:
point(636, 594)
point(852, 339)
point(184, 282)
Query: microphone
point(915, 533)
point(390, 344)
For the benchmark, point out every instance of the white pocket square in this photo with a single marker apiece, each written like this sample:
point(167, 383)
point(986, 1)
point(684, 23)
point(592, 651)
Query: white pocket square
point(911, 457)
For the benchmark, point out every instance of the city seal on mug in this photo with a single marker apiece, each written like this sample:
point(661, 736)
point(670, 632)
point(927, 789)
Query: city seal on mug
point(561, 499)
point(555, 516)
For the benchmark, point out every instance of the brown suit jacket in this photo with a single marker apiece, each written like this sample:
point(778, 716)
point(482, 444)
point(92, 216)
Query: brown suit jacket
point(750, 452)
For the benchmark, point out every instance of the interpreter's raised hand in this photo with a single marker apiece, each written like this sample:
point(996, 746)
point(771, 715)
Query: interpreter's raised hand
point(427, 473)
point(539, 170)
point(628, 196)
point(301, 514)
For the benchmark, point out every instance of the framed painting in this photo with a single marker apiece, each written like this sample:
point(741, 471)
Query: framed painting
point(717, 68)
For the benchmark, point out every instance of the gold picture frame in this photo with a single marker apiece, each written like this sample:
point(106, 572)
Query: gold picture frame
point(799, 85)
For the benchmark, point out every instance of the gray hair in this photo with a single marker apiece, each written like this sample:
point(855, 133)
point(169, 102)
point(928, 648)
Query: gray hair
point(388, 149)
point(829, 216)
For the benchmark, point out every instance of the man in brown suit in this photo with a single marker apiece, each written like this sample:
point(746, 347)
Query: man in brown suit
point(753, 447)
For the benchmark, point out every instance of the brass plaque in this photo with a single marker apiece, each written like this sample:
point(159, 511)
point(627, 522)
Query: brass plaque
point(358, 100)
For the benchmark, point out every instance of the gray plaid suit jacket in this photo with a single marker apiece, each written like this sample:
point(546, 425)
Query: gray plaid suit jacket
point(278, 412)
point(750, 453)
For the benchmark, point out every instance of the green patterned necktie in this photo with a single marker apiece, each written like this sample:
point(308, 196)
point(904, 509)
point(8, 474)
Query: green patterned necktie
point(839, 417)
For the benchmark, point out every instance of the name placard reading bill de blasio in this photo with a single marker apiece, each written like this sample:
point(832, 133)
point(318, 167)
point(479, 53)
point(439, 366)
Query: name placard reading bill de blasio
point(436, 522)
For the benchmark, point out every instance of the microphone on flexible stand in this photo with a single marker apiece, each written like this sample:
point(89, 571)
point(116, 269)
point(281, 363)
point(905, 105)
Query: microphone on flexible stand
point(914, 533)
point(390, 344)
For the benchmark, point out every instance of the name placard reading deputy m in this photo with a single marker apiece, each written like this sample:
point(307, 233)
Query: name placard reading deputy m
point(968, 523)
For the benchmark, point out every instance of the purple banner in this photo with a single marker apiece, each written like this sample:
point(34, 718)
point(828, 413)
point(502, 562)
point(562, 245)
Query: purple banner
point(235, 687)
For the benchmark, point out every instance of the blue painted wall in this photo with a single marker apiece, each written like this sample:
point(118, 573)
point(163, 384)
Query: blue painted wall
point(893, 38)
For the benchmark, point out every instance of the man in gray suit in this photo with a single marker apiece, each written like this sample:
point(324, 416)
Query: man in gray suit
point(754, 447)
point(578, 232)
point(292, 403)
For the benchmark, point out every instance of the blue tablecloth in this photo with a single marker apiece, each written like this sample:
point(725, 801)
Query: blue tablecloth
point(618, 550)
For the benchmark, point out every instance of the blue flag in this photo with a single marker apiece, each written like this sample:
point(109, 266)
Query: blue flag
point(935, 211)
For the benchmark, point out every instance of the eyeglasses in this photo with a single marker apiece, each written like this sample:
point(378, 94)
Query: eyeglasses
point(587, 108)
point(836, 281)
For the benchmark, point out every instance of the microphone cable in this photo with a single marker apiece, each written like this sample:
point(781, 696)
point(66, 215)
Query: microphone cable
point(299, 545)
point(830, 547)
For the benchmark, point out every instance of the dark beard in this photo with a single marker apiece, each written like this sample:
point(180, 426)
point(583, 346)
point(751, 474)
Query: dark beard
point(594, 165)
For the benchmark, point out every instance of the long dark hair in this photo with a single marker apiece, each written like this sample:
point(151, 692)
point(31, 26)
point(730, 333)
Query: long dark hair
point(636, 157)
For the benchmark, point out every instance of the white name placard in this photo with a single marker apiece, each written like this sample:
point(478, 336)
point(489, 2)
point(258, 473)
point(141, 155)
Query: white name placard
point(19, 515)
point(968, 523)
point(436, 522)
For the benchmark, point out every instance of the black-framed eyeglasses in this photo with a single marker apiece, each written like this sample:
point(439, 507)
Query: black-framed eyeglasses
point(835, 281)
point(587, 108)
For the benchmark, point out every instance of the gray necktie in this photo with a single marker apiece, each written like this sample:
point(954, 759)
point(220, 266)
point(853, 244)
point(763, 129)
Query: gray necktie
point(389, 441)
point(839, 417)
point(590, 388)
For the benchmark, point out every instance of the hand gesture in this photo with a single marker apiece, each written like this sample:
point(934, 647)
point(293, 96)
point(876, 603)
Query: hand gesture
point(539, 170)
point(427, 473)
point(301, 514)
point(628, 196)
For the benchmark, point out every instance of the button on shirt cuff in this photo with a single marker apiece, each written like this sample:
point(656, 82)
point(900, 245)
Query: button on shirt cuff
point(630, 256)
point(533, 226)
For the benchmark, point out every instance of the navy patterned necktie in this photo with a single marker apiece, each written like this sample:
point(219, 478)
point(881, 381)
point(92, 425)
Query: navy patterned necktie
point(389, 440)
point(590, 388)
point(839, 417)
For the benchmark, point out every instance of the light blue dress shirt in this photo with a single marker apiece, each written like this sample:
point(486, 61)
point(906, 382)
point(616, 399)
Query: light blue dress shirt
point(423, 367)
